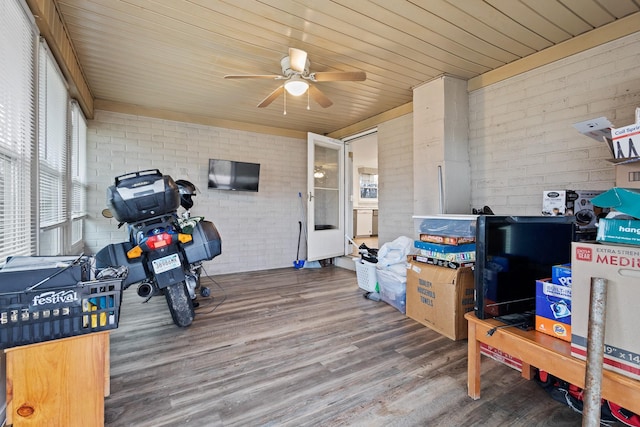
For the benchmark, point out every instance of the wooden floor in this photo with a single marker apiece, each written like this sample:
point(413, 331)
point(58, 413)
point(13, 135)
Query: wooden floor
point(303, 347)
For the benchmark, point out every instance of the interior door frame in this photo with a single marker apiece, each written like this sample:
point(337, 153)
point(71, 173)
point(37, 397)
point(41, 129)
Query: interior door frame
point(349, 198)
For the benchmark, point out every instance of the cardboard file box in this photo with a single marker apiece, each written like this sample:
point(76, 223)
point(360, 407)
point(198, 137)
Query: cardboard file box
point(438, 297)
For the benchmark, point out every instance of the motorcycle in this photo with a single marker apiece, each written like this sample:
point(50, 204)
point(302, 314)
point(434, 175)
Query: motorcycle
point(164, 251)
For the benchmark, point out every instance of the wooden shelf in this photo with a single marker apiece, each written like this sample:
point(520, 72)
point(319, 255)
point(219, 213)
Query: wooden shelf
point(544, 352)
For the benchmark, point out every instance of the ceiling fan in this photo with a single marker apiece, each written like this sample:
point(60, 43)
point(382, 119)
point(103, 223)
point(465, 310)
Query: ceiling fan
point(297, 78)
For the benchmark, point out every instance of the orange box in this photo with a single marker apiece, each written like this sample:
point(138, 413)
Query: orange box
point(446, 240)
point(554, 328)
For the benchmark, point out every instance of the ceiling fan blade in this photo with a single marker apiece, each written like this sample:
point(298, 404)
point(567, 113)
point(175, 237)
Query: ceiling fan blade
point(252, 76)
point(353, 76)
point(319, 97)
point(297, 59)
point(272, 96)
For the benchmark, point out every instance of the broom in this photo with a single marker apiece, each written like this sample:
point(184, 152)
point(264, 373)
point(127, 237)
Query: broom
point(307, 264)
point(297, 263)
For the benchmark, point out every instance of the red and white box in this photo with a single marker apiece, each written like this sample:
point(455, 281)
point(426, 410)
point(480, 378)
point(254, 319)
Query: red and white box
point(619, 265)
point(501, 356)
point(626, 142)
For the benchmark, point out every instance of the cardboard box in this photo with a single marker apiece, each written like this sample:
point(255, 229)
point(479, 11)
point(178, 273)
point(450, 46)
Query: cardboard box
point(447, 251)
point(626, 141)
point(465, 253)
point(438, 297)
point(626, 231)
point(569, 202)
point(553, 308)
point(620, 267)
point(624, 200)
point(455, 257)
point(501, 356)
point(628, 175)
point(561, 274)
point(446, 240)
point(443, 263)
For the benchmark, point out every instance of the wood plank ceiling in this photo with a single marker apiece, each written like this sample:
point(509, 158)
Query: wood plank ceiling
point(172, 55)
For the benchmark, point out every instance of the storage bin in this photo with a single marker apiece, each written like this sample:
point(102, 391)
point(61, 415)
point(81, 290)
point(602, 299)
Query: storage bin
point(445, 225)
point(366, 275)
point(393, 289)
point(32, 316)
point(140, 195)
point(22, 272)
point(115, 255)
point(206, 243)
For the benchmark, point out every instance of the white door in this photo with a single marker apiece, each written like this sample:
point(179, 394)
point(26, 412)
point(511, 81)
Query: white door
point(325, 198)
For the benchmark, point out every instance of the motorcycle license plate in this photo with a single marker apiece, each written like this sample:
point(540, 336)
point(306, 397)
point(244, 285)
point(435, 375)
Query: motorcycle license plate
point(167, 263)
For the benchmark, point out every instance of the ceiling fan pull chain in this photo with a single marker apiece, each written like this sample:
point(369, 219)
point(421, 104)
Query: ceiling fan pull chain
point(308, 106)
point(284, 113)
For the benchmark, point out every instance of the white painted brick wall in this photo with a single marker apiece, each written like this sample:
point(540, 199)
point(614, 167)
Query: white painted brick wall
point(395, 168)
point(259, 230)
point(521, 138)
point(521, 142)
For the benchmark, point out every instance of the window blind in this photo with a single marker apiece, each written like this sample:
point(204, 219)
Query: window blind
point(53, 107)
point(17, 129)
point(78, 172)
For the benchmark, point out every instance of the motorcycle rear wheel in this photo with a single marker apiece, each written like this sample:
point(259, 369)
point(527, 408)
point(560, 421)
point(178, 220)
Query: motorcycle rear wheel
point(180, 304)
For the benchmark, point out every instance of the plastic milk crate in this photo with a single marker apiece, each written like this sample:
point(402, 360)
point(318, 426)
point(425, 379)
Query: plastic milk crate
point(366, 275)
point(37, 315)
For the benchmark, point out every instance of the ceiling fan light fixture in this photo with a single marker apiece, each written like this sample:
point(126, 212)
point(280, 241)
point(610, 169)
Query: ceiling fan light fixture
point(296, 77)
point(296, 86)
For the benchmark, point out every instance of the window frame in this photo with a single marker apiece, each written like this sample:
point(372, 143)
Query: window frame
point(26, 153)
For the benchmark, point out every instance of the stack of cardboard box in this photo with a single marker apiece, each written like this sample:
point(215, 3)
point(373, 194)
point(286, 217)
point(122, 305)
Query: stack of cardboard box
point(446, 240)
point(440, 280)
point(624, 146)
point(616, 259)
point(553, 303)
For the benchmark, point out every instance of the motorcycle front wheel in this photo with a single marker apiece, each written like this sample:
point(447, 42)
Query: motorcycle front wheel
point(180, 304)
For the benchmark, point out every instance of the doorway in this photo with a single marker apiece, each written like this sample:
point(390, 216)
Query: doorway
point(363, 149)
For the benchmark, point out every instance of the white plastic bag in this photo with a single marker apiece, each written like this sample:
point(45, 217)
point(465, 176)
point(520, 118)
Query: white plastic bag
point(395, 252)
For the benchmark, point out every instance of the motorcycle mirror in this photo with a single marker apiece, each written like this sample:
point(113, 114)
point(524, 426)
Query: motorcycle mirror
point(107, 213)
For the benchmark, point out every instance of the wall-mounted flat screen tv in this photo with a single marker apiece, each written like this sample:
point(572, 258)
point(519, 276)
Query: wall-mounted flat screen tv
point(512, 252)
point(232, 175)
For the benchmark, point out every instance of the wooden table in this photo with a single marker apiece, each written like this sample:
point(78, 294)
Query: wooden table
point(546, 353)
point(61, 382)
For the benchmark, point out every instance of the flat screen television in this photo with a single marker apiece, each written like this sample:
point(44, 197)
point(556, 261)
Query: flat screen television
point(232, 175)
point(512, 252)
